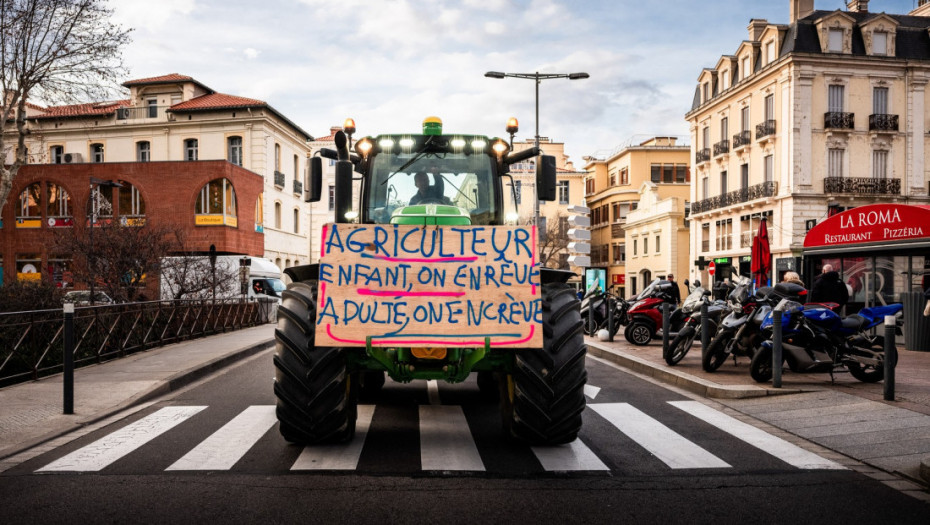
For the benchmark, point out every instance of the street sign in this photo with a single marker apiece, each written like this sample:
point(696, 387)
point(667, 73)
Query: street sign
point(581, 210)
point(582, 261)
point(711, 268)
point(579, 247)
point(579, 221)
point(577, 234)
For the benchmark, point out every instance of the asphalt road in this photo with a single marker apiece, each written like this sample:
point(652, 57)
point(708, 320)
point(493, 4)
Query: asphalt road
point(646, 454)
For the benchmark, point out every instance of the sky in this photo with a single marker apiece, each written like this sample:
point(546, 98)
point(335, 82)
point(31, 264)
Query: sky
point(390, 63)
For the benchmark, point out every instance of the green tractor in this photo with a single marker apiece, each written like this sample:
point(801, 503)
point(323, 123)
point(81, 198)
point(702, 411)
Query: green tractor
point(423, 276)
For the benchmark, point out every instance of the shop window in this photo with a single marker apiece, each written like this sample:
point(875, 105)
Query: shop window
point(191, 149)
point(234, 150)
point(260, 214)
point(28, 267)
point(29, 211)
point(100, 206)
point(96, 153)
point(131, 205)
point(58, 206)
point(216, 204)
point(59, 271)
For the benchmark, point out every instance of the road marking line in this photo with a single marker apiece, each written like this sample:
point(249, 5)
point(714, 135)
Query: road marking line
point(101, 453)
point(446, 442)
point(569, 457)
point(432, 390)
point(776, 446)
point(227, 445)
point(666, 444)
point(592, 391)
point(338, 456)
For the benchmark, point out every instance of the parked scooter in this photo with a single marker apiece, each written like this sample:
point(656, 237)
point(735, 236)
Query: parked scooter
point(645, 314)
point(595, 301)
point(691, 329)
point(815, 339)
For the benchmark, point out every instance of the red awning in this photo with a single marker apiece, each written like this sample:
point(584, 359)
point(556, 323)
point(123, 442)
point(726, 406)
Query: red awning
point(871, 227)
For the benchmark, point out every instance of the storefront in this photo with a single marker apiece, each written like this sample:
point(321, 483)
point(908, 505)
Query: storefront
point(880, 251)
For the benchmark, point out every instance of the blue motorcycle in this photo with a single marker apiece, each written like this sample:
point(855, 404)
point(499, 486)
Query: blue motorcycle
point(816, 339)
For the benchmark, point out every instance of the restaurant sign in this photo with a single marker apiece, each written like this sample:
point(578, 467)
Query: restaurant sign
point(872, 224)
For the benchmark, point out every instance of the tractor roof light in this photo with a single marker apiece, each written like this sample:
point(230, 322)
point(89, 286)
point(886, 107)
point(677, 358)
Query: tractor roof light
point(513, 125)
point(457, 143)
point(386, 144)
point(500, 147)
point(349, 126)
point(407, 142)
point(478, 145)
point(363, 147)
point(432, 126)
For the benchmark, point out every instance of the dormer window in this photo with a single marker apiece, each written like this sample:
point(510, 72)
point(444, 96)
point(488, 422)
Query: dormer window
point(880, 43)
point(770, 52)
point(747, 70)
point(835, 44)
point(724, 79)
point(705, 89)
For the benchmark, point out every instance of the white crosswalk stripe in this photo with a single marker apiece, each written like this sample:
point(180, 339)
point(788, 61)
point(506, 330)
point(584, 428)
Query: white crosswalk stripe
point(574, 456)
point(103, 452)
point(338, 456)
point(663, 442)
point(227, 445)
point(446, 442)
point(787, 452)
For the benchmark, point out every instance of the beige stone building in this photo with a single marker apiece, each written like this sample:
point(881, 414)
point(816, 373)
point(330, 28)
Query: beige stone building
point(615, 185)
point(177, 118)
point(805, 119)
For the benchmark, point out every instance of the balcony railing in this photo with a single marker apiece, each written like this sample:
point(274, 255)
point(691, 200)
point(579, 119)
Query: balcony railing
point(862, 185)
point(838, 120)
point(883, 122)
point(725, 243)
point(298, 187)
point(279, 179)
point(616, 230)
point(721, 147)
point(143, 112)
point(765, 129)
point(741, 139)
point(766, 189)
point(702, 155)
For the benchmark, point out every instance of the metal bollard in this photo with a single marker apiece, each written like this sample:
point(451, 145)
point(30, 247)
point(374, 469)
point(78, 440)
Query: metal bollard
point(610, 320)
point(776, 349)
point(891, 357)
point(591, 315)
point(705, 328)
point(665, 329)
point(68, 372)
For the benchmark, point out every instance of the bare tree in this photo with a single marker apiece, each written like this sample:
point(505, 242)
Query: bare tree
point(192, 276)
point(553, 243)
point(52, 51)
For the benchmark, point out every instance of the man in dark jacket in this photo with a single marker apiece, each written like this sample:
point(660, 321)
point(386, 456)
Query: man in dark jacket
point(674, 291)
point(829, 288)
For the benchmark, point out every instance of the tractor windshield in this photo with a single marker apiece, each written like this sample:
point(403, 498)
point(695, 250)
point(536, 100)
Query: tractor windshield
point(399, 179)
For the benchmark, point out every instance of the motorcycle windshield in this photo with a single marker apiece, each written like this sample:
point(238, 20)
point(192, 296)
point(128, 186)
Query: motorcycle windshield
point(649, 290)
point(693, 300)
point(788, 308)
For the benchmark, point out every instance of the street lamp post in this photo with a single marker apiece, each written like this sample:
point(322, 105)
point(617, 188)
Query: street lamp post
point(99, 183)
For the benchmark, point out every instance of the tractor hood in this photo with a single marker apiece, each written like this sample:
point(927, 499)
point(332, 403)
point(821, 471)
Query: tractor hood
point(440, 214)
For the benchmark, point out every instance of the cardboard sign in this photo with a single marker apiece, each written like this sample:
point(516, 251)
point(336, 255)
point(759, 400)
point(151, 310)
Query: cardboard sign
point(429, 286)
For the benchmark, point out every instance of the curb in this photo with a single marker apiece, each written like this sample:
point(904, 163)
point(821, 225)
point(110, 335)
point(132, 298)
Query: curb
point(683, 380)
point(175, 382)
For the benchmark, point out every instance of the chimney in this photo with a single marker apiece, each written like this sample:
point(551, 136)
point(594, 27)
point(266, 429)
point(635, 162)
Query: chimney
point(858, 6)
point(800, 9)
point(756, 27)
point(923, 8)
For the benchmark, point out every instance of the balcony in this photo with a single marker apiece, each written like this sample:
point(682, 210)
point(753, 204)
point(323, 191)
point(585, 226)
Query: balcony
point(616, 230)
point(279, 179)
point(702, 155)
point(862, 186)
point(721, 147)
point(839, 121)
point(138, 113)
point(298, 187)
point(766, 189)
point(741, 139)
point(765, 129)
point(882, 122)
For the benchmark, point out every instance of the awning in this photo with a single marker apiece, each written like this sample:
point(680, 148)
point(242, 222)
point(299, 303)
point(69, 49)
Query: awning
point(871, 227)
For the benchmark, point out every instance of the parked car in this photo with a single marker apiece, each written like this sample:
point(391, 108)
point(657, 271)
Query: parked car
point(82, 298)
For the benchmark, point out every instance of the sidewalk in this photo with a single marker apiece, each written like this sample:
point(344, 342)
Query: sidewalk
point(846, 415)
point(31, 413)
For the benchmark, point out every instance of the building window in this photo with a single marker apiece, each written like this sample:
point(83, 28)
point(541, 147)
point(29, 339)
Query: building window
point(131, 204)
point(260, 213)
point(216, 204)
point(563, 191)
point(658, 244)
point(770, 52)
point(835, 162)
point(296, 220)
point(704, 193)
point(724, 79)
point(277, 157)
point(705, 89)
point(635, 244)
point(58, 203)
point(57, 154)
point(234, 150)
point(747, 69)
point(332, 197)
point(624, 176)
point(769, 168)
point(143, 151)
point(96, 153)
point(744, 119)
point(879, 43)
point(296, 168)
point(835, 42)
point(723, 183)
point(770, 107)
point(517, 191)
point(101, 203)
point(29, 212)
point(645, 245)
point(744, 176)
point(277, 215)
point(613, 178)
point(705, 137)
point(190, 149)
point(880, 101)
point(724, 128)
point(835, 98)
point(153, 107)
point(880, 164)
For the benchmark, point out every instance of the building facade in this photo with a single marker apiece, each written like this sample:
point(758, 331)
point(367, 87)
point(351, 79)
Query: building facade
point(614, 186)
point(657, 231)
point(171, 120)
point(802, 121)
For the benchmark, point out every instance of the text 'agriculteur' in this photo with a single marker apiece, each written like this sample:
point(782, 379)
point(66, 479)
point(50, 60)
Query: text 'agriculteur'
point(428, 286)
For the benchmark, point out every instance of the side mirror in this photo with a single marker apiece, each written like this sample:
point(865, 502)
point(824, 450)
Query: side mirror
point(545, 178)
point(343, 190)
point(313, 187)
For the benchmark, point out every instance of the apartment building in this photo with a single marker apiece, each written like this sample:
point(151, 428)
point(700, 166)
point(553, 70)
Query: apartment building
point(803, 120)
point(169, 127)
point(655, 172)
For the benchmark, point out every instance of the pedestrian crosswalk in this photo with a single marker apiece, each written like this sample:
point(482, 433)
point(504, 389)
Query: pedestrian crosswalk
point(448, 442)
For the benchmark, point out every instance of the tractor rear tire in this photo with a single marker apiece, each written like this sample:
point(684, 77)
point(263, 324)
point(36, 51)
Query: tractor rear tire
point(317, 398)
point(543, 398)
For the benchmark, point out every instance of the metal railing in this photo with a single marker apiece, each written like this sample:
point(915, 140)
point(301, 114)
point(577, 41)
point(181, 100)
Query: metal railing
point(883, 122)
point(33, 345)
point(765, 129)
point(862, 185)
point(766, 189)
point(741, 139)
point(839, 120)
point(721, 147)
point(142, 112)
point(279, 179)
point(702, 155)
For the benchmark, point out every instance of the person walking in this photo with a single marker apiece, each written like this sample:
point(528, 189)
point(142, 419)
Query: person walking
point(674, 292)
point(829, 288)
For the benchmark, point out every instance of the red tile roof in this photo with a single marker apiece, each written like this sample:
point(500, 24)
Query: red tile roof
point(81, 110)
point(171, 77)
point(217, 101)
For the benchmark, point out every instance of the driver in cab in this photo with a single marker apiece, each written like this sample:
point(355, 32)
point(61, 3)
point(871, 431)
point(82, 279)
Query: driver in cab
point(426, 193)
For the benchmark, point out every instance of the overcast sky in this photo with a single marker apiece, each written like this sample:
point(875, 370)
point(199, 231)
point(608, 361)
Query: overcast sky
point(390, 63)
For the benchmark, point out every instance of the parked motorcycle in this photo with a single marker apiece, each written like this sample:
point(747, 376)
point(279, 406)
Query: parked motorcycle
point(816, 339)
point(645, 314)
point(691, 329)
point(595, 301)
